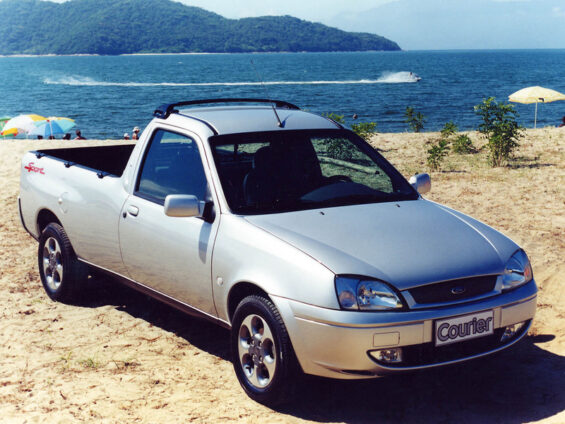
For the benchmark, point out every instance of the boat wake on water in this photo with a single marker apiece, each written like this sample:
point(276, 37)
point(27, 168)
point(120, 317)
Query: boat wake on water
point(386, 78)
point(398, 77)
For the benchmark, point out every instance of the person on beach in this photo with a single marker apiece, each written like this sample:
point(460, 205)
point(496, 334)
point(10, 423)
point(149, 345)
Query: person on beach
point(126, 136)
point(562, 124)
point(79, 135)
point(135, 134)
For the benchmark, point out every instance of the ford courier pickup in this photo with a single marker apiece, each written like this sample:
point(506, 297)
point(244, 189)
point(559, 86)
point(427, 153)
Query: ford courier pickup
point(286, 228)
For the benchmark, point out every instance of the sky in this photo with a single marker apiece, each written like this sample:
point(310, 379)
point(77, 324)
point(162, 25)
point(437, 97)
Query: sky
point(422, 24)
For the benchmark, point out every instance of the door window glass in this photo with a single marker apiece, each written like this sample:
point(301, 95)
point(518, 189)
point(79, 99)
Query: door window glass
point(172, 165)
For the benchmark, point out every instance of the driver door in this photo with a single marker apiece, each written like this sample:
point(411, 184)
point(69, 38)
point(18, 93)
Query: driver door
point(171, 255)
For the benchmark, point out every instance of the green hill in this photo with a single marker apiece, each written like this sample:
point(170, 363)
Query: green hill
point(151, 26)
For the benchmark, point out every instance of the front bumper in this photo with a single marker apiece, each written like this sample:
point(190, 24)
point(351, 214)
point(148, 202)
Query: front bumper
point(335, 343)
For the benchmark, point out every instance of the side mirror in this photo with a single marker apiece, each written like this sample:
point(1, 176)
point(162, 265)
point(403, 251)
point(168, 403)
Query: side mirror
point(183, 205)
point(421, 182)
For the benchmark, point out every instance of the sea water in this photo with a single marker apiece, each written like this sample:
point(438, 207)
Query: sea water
point(109, 95)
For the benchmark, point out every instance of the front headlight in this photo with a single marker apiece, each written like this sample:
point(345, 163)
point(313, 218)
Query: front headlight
point(517, 272)
point(356, 293)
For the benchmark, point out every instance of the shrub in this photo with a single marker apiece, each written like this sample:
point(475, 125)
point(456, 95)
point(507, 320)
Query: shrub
point(340, 150)
point(463, 145)
point(448, 129)
point(340, 119)
point(364, 129)
point(500, 128)
point(437, 153)
point(414, 120)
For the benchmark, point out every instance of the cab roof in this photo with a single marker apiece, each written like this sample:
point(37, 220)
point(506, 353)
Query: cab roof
point(244, 117)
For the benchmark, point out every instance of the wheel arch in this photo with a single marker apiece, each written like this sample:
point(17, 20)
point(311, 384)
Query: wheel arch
point(241, 290)
point(44, 218)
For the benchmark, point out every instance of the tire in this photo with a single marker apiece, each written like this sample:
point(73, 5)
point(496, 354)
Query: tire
point(61, 272)
point(262, 353)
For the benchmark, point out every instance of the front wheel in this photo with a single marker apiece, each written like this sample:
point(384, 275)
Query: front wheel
point(262, 354)
point(61, 272)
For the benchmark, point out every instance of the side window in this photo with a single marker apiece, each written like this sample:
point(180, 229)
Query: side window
point(172, 165)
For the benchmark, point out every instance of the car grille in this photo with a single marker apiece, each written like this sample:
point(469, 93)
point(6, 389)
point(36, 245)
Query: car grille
point(454, 290)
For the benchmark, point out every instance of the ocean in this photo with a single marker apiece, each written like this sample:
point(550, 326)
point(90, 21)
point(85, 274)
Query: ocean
point(109, 95)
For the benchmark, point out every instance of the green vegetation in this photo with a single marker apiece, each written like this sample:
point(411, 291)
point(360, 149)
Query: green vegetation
point(463, 145)
point(437, 153)
point(364, 129)
point(339, 149)
point(500, 128)
point(414, 120)
point(340, 119)
point(460, 145)
point(449, 129)
point(66, 360)
point(90, 363)
point(161, 26)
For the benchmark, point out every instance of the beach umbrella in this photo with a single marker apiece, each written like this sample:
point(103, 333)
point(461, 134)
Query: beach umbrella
point(536, 95)
point(3, 122)
point(20, 124)
point(51, 126)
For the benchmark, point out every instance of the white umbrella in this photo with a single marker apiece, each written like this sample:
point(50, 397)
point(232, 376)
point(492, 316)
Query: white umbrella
point(20, 123)
point(536, 95)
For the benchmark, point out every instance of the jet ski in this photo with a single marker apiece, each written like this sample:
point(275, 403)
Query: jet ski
point(415, 77)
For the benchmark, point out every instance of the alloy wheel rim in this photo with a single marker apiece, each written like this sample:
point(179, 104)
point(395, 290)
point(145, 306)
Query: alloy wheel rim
point(52, 263)
point(256, 348)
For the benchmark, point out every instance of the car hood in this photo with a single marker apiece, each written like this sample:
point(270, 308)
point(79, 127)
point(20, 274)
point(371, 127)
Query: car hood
point(407, 243)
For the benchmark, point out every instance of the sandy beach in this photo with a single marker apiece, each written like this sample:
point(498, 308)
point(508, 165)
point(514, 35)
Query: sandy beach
point(122, 357)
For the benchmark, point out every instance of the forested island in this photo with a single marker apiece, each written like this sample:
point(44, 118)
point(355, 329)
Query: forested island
point(110, 27)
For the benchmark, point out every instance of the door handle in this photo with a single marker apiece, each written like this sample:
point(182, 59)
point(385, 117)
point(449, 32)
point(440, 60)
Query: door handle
point(133, 210)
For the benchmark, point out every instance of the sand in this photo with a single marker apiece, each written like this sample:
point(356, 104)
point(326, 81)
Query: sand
point(122, 357)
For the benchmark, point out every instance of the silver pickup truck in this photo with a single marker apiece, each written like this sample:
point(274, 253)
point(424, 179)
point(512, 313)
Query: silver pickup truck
point(286, 228)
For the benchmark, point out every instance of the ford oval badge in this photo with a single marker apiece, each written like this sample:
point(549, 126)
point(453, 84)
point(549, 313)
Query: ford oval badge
point(457, 290)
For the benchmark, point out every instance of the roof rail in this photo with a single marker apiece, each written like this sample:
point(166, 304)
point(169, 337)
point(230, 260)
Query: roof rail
point(165, 110)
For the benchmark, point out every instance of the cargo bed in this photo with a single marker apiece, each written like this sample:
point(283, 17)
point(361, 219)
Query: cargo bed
point(109, 160)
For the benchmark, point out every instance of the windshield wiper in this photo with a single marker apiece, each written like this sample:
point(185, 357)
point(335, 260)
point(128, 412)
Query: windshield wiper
point(353, 199)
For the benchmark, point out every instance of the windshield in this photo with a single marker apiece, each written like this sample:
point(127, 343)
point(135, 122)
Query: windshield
point(282, 171)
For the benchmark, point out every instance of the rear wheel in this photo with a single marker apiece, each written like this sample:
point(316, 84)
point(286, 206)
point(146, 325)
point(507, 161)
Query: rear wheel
point(60, 271)
point(262, 354)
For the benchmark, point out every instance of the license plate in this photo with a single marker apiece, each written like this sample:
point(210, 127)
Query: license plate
point(457, 329)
